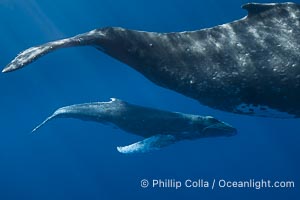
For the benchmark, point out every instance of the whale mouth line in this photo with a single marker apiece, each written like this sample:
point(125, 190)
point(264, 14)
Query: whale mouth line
point(223, 128)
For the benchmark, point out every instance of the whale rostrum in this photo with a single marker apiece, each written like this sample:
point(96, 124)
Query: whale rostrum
point(159, 128)
point(250, 66)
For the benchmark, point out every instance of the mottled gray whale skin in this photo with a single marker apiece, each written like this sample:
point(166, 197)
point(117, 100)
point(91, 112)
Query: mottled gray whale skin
point(159, 128)
point(249, 66)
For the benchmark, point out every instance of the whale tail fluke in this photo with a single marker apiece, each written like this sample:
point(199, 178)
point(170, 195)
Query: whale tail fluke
point(31, 54)
point(58, 113)
point(43, 123)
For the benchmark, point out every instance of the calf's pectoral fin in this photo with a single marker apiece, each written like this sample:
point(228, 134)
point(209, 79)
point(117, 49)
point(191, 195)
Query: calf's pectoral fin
point(149, 144)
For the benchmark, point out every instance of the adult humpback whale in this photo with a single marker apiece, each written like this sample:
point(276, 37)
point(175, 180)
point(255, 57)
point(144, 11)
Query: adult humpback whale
point(160, 128)
point(249, 66)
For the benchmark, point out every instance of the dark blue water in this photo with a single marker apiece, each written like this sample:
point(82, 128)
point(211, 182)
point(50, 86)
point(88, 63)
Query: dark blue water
point(71, 159)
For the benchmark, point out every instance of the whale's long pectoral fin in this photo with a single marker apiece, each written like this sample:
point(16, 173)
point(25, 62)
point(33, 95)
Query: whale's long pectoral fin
point(149, 144)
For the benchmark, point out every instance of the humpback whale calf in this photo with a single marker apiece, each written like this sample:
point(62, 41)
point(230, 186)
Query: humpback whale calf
point(250, 66)
point(160, 128)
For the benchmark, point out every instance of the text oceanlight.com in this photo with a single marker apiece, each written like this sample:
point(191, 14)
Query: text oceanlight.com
point(216, 183)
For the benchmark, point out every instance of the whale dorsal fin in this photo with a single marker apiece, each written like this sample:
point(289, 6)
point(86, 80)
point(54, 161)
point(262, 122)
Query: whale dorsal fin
point(149, 144)
point(258, 8)
point(117, 101)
